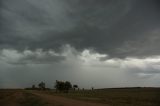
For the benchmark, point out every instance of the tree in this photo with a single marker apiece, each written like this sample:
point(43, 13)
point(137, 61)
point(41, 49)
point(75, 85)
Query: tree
point(75, 86)
point(63, 86)
point(92, 88)
point(59, 85)
point(67, 86)
point(42, 86)
point(33, 87)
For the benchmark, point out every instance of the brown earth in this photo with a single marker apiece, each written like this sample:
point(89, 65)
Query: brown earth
point(61, 101)
point(11, 98)
point(32, 98)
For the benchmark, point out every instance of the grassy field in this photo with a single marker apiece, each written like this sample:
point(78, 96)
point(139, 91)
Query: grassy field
point(110, 97)
point(119, 97)
point(19, 98)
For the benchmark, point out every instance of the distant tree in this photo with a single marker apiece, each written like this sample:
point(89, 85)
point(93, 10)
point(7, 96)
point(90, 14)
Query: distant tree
point(63, 86)
point(67, 86)
point(42, 86)
point(75, 87)
point(33, 87)
point(92, 88)
point(59, 85)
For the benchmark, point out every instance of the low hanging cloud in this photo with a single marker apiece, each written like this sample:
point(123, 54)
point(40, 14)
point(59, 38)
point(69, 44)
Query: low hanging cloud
point(88, 58)
point(30, 57)
point(86, 68)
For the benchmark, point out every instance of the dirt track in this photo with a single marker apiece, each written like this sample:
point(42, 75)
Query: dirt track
point(61, 101)
point(33, 98)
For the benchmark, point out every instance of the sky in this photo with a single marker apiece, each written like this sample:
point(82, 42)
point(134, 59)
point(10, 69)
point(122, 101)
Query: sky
point(92, 43)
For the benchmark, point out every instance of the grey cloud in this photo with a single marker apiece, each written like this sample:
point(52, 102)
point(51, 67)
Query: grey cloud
point(147, 73)
point(39, 60)
point(30, 57)
point(120, 36)
point(114, 27)
point(76, 68)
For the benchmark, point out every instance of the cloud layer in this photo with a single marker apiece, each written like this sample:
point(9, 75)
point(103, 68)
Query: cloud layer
point(30, 57)
point(87, 68)
point(119, 28)
point(87, 42)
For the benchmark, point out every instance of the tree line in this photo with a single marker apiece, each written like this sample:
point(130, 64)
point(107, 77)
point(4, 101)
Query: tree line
point(60, 86)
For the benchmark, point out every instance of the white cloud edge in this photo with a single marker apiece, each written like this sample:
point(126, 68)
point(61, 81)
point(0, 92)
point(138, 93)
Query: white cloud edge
point(86, 58)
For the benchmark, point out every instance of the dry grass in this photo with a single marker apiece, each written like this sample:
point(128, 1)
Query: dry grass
point(119, 97)
point(112, 97)
point(19, 98)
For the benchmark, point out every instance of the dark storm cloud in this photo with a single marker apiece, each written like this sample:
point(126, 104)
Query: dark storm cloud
point(119, 28)
point(34, 59)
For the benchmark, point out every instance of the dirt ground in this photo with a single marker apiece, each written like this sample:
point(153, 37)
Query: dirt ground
point(10, 98)
point(24, 98)
point(61, 101)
